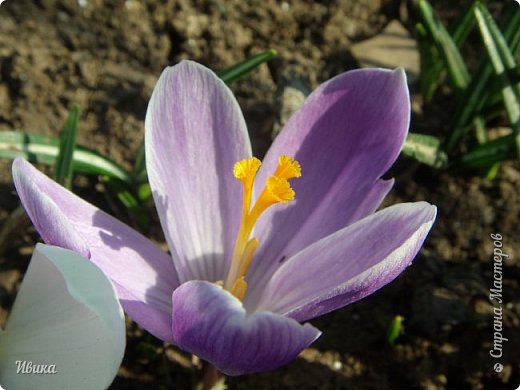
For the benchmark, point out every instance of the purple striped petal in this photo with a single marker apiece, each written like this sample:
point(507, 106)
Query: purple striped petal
point(347, 134)
point(143, 274)
point(195, 132)
point(349, 264)
point(211, 323)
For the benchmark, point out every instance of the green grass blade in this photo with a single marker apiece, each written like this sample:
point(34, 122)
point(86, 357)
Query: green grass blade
point(502, 60)
point(463, 25)
point(510, 28)
point(425, 149)
point(484, 156)
point(478, 93)
point(235, 72)
point(514, 74)
point(121, 190)
point(480, 129)
point(455, 66)
point(432, 67)
point(497, 47)
point(470, 104)
point(63, 168)
point(126, 195)
point(395, 329)
point(139, 172)
point(41, 149)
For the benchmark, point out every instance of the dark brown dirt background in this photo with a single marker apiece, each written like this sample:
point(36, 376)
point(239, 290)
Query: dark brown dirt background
point(107, 55)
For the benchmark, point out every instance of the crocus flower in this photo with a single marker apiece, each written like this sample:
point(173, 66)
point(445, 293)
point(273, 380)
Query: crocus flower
point(66, 329)
point(255, 251)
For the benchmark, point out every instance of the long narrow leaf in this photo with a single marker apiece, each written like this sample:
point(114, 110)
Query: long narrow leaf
point(126, 195)
point(463, 25)
point(235, 72)
point(479, 90)
point(432, 66)
point(510, 28)
point(42, 149)
point(484, 156)
point(139, 172)
point(425, 149)
point(470, 103)
point(453, 59)
point(63, 167)
point(502, 60)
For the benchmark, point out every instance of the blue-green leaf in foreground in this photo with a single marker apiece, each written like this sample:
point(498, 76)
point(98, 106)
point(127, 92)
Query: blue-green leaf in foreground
point(42, 149)
point(425, 149)
point(63, 168)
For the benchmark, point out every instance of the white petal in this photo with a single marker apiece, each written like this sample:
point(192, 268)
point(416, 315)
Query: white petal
point(66, 314)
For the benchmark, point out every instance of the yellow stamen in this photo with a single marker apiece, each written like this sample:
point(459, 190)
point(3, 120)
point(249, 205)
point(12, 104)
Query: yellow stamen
point(288, 168)
point(251, 246)
point(239, 288)
point(277, 190)
point(245, 171)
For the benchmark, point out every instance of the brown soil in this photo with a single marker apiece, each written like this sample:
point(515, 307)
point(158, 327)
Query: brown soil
point(106, 57)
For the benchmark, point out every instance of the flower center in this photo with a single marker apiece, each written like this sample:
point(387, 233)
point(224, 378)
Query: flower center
point(277, 190)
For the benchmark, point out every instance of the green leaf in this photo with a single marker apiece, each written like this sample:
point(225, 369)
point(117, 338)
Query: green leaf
point(510, 29)
point(484, 156)
point(482, 87)
point(63, 168)
point(235, 72)
point(469, 105)
point(41, 149)
point(125, 194)
point(432, 67)
point(455, 66)
point(122, 192)
point(144, 192)
point(463, 25)
point(139, 172)
point(395, 329)
point(514, 74)
point(502, 60)
point(492, 172)
point(425, 149)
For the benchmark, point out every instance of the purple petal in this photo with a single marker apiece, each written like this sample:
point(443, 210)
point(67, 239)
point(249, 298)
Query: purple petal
point(211, 323)
point(195, 132)
point(349, 264)
point(143, 275)
point(346, 135)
